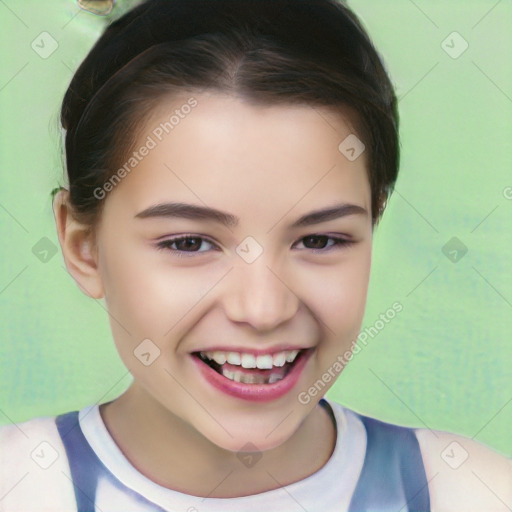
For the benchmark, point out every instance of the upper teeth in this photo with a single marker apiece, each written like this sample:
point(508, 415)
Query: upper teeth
point(263, 362)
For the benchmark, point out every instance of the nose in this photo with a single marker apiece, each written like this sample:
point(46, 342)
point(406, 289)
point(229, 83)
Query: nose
point(259, 295)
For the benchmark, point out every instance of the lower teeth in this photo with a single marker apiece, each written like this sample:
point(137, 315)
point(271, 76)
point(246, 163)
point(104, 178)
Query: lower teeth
point(251, 378)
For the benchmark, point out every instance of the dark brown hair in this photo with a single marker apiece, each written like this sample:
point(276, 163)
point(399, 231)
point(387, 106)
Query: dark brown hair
point(312, 52)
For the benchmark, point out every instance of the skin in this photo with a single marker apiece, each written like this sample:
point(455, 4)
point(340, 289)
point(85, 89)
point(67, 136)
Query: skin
point(281, 162)
point(268, 166)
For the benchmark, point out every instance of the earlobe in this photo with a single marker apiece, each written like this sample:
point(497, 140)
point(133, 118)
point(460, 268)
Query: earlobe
point(78, 247)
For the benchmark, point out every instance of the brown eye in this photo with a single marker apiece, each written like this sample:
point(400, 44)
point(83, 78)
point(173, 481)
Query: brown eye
point(316, 241)
point(184, 244)
point(188, 244)
point(320, 242)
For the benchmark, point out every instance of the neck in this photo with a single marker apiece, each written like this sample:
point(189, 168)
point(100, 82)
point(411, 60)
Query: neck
point(173, 454)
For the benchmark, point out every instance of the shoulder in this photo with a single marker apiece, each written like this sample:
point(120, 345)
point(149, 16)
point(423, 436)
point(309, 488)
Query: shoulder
point(464, 474)
point(34, 471)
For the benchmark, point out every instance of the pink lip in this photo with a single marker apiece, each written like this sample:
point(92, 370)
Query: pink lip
point(254, 392)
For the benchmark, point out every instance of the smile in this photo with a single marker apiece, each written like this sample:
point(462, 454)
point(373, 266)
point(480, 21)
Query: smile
point(252, 377)
point(233, 365)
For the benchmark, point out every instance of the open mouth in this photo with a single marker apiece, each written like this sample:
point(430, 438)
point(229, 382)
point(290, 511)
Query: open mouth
point(248, 371)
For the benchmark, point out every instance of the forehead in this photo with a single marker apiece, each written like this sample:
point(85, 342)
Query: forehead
point(225, 152)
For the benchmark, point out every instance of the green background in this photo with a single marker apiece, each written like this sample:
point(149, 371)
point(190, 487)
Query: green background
point(444, 362)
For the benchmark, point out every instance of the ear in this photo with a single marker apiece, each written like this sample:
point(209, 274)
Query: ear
point(78, 247)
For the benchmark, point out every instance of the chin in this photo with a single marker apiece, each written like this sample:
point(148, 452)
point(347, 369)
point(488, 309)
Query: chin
point(248, 442)
point(240, 433)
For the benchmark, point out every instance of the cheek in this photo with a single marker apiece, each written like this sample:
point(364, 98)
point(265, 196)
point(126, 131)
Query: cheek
point(150, 297)
point(147, 296)
point(339, 293)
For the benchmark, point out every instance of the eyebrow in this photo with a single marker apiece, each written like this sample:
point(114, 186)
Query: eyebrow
point(197, 212)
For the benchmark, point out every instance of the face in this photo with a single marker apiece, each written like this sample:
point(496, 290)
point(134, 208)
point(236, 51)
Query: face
point(194, 297)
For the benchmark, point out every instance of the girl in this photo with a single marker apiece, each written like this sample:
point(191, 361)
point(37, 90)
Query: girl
point(227, 164)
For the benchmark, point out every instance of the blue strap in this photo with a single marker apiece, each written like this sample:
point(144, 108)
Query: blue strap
point(82, 461)
point(86, 467)
point(393, 476)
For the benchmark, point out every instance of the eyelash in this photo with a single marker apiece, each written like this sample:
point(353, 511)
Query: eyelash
point(165, 244)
